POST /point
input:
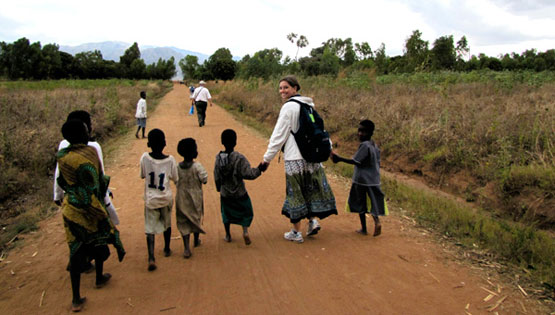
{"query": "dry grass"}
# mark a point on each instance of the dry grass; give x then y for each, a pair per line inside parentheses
(31, 115)
(480, 130)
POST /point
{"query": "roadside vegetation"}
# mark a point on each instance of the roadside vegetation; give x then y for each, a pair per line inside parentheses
(31, 115)
(488, 137)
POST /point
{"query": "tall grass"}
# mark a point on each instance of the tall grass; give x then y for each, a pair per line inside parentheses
(486, 130)
(31, 115)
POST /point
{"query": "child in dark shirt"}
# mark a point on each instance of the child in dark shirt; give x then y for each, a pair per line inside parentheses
(229, 171)
(366, 179)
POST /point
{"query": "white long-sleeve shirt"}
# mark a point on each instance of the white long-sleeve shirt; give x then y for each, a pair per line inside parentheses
(288, 121)
(141, 109)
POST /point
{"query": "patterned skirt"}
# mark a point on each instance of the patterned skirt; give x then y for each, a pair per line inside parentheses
(308, 193)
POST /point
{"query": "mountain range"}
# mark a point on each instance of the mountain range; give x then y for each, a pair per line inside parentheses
(150, 54)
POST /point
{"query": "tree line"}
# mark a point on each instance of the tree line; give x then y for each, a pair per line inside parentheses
(29, 61)
(338, 54)
(23, 60)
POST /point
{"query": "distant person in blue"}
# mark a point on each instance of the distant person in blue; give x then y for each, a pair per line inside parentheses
(192, 90)
(366, 179)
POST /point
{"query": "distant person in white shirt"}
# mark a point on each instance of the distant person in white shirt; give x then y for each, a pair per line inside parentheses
(158, 169)
(140, 114)
(201, 96)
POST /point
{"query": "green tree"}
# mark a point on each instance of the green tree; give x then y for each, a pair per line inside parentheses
(264, 64)
(342, 48)
(52, 62)
(301, 42)
(416, 52)
(22, 60)
(137, 70)
(462, 51)
(221, 65)
(130, 55)
(90, 64)
(443, 53)
(189, 66)
(381, 60)
(364, 51)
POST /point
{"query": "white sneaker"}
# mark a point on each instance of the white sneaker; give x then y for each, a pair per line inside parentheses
(313, 227)
(293, 236)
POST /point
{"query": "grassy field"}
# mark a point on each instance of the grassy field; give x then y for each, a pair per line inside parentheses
(491, 141)
(487, 138)
(31, 115)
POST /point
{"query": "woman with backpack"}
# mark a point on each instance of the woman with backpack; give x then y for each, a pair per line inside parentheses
(308, 193)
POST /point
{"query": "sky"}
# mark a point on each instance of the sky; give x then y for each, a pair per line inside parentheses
(492, 27)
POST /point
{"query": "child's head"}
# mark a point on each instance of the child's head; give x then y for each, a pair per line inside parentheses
(229, 139)
(75, 131)
(365, 130)
(187, 148)
(143, 94)
(156, 140)
(83, 116)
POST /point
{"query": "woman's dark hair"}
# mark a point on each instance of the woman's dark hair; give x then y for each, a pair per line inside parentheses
(368, 125)
(292, 81)
(75, 132)
(187, 148)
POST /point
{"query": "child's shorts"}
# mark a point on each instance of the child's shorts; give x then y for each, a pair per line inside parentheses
(141, 122)
(158, 220)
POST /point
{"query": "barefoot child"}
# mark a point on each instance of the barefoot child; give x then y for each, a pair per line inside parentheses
(188, 201)
(87, 225)
(140, 114)
(229, 171)
(366, 178)
(158, 169)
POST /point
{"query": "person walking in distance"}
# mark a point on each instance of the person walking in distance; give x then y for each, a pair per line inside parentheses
(140, 114)
(201, 96)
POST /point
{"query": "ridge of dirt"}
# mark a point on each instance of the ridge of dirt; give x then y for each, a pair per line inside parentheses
(403, 271)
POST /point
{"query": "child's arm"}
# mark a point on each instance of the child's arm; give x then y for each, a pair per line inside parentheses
(201, 173)
(142, 173)
(336, 158)
(248, 172)
(174, 175)
(217, 176)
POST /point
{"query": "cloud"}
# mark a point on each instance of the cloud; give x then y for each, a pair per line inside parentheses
(251, 25)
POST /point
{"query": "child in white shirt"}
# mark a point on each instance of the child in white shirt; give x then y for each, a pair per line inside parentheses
(158, 169)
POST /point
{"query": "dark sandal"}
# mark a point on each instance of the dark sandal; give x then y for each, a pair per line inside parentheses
(377, 230)
(79, 306)
(105, 278)
(361, 231)
(247, 239)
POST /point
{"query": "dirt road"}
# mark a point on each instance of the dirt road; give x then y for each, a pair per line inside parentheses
(337, 272)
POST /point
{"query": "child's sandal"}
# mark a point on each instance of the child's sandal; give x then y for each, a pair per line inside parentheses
(377, 229)
(78, 307)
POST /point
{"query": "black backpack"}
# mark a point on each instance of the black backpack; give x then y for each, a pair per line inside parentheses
(312, 139)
